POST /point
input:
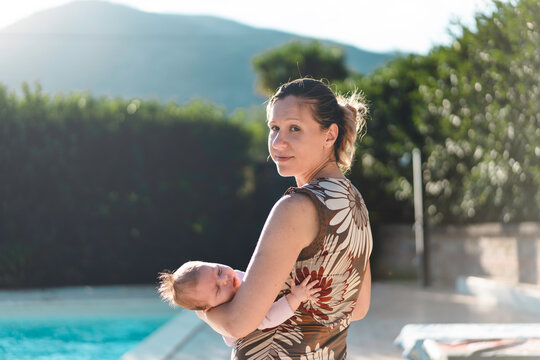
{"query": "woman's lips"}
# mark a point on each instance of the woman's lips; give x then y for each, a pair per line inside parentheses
(283, 158)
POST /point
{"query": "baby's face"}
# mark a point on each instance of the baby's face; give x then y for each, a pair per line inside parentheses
(216, 284)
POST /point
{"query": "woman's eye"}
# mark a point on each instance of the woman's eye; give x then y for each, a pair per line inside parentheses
(274, 128)
(295, 128)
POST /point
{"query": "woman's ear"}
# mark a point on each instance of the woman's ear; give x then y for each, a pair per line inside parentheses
(331, 135)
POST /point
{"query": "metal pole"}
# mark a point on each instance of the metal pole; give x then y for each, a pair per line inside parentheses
(421, 251)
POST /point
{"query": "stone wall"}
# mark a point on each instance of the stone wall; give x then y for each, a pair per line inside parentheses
(509, 253)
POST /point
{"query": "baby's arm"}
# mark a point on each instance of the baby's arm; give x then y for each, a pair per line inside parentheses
(285, 307)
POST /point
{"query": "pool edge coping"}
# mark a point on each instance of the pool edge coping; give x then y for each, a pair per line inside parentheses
(168, 339)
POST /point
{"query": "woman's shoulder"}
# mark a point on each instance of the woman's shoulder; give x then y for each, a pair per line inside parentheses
(294, 216)
(293, 202)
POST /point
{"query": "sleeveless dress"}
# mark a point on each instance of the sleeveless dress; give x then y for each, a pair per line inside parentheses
(338, 259)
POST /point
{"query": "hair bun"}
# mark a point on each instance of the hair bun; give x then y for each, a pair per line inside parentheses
(351, 108)
(354, 121)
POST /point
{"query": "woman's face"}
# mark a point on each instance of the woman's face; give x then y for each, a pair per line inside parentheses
(296, 141)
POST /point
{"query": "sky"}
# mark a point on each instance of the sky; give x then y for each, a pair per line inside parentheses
(375, 25)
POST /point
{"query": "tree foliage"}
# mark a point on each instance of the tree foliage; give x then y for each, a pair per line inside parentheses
(298, 59)
(482, 120)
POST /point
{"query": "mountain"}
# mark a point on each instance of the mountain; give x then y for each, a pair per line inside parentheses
(114, 50)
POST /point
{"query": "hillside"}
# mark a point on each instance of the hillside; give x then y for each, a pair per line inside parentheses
(114, 50)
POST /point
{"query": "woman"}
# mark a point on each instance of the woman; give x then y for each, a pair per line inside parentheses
(320, 228)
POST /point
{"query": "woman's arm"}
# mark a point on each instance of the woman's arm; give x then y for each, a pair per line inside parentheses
(364, 297)
(291, 226)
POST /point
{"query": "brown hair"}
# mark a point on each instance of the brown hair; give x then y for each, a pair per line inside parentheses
(347, 112)
(177, 288)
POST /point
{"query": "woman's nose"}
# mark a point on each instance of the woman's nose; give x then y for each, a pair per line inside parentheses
(278, 141)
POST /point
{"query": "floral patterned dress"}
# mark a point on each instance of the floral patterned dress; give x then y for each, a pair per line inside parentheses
(338, 259)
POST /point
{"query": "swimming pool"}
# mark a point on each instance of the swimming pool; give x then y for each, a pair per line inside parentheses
(73, 339)
(76, 323)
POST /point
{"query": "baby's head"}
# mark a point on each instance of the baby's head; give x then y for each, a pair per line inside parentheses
(198, 285)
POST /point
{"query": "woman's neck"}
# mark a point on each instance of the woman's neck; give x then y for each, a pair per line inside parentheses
(327, 169)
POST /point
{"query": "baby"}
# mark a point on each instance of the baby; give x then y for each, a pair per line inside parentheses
(198, 285)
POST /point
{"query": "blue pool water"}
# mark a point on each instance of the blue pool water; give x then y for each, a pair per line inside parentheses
(71, 338)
